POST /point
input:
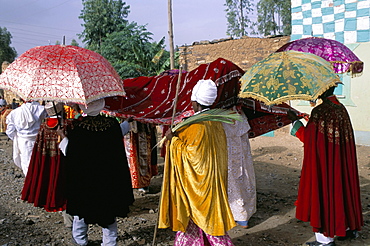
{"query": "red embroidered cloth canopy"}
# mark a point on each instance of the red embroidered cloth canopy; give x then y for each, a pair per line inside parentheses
(151, 99)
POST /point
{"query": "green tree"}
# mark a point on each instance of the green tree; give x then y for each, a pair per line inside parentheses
(102, 17)
(132, 53)
(127, 46)
(274, 17)
(237, 17)
(74, 43)
(7, 53)
(286, 16)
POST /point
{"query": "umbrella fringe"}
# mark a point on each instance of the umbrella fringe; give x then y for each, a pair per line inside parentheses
(64, 100)
(280, 100)
(352, 68)
(227, 77)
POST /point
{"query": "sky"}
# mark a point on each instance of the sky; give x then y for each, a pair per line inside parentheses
(42, 22)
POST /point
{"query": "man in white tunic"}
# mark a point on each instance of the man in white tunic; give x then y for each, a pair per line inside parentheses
(241, 178)
(23, 124)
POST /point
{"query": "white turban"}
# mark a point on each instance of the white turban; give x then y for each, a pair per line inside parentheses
(93, 108)
(51, 106)
(204, 92)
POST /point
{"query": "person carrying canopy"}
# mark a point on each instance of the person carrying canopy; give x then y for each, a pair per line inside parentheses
(242, 194)
(194, 194)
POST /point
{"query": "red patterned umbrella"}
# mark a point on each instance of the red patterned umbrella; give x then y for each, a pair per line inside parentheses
(339, 55)
(62, 73)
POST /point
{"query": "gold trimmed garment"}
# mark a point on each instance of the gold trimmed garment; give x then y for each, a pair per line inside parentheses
(195, 180)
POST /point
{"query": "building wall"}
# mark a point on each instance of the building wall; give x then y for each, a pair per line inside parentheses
(243, 52)
(360, 95)
(346, 21)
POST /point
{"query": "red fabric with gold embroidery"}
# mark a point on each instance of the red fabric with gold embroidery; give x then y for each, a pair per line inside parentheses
(44, 185)
(151, 99)
(329, 190)
(141, 154)
(262, 118)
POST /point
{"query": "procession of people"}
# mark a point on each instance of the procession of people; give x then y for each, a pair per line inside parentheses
(79, 158)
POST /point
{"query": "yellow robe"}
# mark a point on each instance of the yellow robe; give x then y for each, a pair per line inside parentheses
(195, 180)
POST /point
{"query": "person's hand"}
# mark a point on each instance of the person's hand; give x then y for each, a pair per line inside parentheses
(60, 132)
(169, 134)
(292, 116)
(313, 103)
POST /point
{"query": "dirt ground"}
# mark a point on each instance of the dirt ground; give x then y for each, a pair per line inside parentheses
(277, 162)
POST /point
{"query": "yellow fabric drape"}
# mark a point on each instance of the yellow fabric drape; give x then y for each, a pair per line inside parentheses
(195, 180)
(70, 112)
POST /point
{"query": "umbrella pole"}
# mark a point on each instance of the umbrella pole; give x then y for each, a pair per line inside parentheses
(58, 118)
(172, 122)
(57, 114)
(176, 96)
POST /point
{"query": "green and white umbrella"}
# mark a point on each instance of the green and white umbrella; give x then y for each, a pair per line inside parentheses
(288, 75)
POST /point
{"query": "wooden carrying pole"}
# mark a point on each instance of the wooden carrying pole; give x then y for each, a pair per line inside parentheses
(172, 123)
(170, 35)
(176, 96)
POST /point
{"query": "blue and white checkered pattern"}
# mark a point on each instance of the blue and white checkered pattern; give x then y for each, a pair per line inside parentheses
(347, 21)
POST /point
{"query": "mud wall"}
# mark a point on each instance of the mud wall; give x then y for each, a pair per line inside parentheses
(244, 52)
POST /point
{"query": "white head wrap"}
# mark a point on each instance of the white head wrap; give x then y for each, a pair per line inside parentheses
(204, 92)
(50, 108)
(93, 108)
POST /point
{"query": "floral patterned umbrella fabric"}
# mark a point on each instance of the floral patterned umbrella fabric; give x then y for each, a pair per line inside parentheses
(342, 58)
(62, 73)
(288, 75)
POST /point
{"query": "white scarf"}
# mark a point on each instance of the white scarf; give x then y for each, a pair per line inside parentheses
(26, 118)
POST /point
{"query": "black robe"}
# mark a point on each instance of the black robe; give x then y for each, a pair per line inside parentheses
(98, 178)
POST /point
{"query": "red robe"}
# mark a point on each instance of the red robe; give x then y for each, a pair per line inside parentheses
(45, 181)
(142, 154)
(329, 190)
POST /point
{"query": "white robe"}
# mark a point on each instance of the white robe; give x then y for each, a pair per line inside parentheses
(23, 124)
(241, 178)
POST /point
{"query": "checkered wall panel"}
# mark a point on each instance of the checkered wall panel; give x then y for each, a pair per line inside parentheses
(347, 21)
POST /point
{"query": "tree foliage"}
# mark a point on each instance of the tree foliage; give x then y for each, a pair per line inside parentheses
(7, 53)
(274, 17)
(126, 45)
(101, 18)
(74, 42)
(237, 17)
(132, 53)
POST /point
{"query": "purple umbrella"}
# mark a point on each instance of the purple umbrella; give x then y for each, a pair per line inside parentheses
(342, 58)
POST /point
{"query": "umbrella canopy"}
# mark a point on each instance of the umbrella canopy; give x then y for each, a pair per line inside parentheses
(288, 75)
(342, 58)
(62, 73)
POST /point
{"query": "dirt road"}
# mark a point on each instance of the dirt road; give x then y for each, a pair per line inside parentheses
(277, 161)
